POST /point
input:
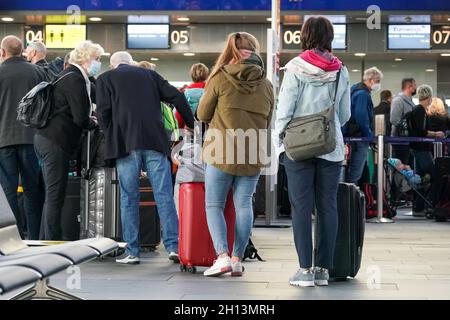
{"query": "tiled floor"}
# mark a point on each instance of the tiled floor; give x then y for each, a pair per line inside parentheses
(409, 259)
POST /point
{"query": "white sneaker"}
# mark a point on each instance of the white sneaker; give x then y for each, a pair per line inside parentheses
(237, 269)
(220, 266)
(174, 257)
(128, 259)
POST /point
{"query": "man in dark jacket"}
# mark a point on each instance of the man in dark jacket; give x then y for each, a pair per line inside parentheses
(129, 113)
(17, 156)
(362, 115)
(36, 52)
(384, 108)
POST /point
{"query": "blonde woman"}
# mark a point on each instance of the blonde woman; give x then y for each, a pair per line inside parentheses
(237, 97)
(438, 117)
(59, 140)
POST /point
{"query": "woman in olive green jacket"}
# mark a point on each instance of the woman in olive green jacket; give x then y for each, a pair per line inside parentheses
(237, 106)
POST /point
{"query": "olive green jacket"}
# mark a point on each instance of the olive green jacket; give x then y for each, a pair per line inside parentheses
(238, 97)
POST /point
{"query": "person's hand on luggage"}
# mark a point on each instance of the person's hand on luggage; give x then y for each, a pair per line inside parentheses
(175, 159)
(94, 119)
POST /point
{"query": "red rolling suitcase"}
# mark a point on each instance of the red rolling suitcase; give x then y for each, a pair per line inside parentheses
(195, 246)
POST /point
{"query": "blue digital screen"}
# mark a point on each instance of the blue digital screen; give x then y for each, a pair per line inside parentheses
(148, 36)
(405, 36)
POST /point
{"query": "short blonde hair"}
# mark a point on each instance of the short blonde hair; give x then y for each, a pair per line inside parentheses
(372, 73)
(85, 51)
(147, 65)
(199, 72)
(437, 107)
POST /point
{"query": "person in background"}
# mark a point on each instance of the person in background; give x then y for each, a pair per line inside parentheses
(17, 156)
(308, 87)
(147, 65)
(362, 115)
(402, 104)
(384, 108)
(438, 117)
(66, 60)
(129, 112)
(423, 151)
(193, 92)
(238, 97)
(58, 142)
(36, 53)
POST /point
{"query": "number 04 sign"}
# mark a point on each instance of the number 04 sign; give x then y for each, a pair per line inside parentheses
(35, 33)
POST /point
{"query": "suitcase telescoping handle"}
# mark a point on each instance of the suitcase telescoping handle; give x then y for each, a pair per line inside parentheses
(86, 182)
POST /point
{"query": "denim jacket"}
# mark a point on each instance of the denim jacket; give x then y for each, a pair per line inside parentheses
(306, 90)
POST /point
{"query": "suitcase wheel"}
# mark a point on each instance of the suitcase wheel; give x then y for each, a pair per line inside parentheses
(183, 268)
(192, 270)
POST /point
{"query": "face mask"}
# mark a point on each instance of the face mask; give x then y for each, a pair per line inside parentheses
(414, 92)
(95, 68)
(376, 87)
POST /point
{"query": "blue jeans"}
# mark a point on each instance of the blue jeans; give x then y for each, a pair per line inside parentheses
(314, 183)
(21, 160)
(159, 173)
(218, 185)
(358, 159)
(424, 165)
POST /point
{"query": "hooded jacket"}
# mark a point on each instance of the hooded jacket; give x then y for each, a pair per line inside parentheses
(308, 88)
(362, 108)
(238, 100)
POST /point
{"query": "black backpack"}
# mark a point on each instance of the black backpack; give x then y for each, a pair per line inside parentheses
(404, 127)
(36, 108)
(251, 252)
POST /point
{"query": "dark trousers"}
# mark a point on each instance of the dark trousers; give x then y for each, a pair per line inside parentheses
(55, 170)
(402, 152)
(21, 160)
(424, 165)
(312, 183)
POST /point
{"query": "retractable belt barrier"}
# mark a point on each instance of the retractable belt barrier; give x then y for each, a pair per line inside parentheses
(380, 141)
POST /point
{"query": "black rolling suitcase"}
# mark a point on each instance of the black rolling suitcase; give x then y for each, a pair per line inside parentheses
(350, 237)
(70, 224)
(149, 226)
(441, 189)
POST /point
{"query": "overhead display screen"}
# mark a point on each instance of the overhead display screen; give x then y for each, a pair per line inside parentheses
(64, 36)
(340, 36)
(148, 36)
(411, 37)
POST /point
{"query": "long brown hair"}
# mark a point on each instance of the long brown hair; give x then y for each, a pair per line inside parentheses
(236, 41)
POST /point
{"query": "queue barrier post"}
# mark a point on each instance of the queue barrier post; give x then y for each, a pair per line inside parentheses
(380, 182)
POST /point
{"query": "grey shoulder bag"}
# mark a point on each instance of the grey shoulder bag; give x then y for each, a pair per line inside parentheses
(311, 136)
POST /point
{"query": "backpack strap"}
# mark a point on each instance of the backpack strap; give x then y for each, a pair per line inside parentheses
(53, 83)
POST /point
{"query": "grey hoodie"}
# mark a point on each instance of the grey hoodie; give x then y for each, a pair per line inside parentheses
(401, 104)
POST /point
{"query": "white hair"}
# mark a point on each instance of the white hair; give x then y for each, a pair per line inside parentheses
(38, 46)
(372, 73)
(424, 92)
(85, 51)
(121, 57)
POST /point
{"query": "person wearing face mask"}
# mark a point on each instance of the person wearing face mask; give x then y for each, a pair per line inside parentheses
(401, 105)
(59, 140)
(36, 52)
(423, 151)
(362, 118)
